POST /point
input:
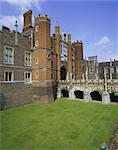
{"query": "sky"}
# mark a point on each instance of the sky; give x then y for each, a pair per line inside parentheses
(95, 22)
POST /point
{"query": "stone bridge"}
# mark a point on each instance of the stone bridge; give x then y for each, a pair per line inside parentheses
(104, 87)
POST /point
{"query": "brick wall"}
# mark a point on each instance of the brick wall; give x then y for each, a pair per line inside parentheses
(15, 94)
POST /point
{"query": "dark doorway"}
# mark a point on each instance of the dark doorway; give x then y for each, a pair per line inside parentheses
(96, 96)
(79, 94)
(114, 97)
(65, 93)
(63, 73)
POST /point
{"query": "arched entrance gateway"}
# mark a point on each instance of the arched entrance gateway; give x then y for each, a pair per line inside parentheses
(79, 94)
(63, 72)
(114, 97)
(65, 93)
(95, 95)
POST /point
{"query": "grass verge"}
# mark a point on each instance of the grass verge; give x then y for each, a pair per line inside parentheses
(63, 125)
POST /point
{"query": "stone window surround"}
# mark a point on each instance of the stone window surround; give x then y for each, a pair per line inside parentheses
(6, 46)
(26, 80)
(30, 59)
(91, 70)
(12, 76)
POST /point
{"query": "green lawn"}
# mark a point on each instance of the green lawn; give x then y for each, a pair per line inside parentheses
(63, 125)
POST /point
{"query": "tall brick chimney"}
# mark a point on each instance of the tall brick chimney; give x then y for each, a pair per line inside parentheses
(27, 23)
(57, 47)
(78, 45)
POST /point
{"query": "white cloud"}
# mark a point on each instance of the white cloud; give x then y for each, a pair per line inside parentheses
(25, 4)
(9, 21)
(104, 48)
(104, 41)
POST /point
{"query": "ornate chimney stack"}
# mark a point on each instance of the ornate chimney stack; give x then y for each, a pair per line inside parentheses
(27, 24)
(57, 47)
(78, 45)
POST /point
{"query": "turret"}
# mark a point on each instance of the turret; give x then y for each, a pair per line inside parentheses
(41, 60)
(42, 32)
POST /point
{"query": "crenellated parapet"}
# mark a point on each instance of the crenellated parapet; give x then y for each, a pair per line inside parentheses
(89, 87)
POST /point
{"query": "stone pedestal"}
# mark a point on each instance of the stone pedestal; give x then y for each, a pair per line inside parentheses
(105, 98)
(87, 96)
(59, 93)
(71, 94)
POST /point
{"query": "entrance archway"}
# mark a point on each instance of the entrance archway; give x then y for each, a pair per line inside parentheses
(63, 73)
(65, 93)
(96, 96)
(114, 97)
(79, 94)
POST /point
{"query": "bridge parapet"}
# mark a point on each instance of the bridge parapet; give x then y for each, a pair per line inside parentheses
(88, 86)
(111, 84)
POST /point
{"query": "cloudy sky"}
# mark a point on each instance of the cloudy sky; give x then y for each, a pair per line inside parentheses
(95, 22)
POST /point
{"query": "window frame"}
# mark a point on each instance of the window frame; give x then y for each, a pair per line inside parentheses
(25, 61)
(26, 79)
(91, 69)
(12, 76)
(8, 47)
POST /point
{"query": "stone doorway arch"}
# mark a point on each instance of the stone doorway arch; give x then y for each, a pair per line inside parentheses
(95, 95)
(79, 94)
(114, 97)
(65, 93)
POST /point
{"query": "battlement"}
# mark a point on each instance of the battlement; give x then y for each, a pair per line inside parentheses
(45, 16)
(42, 18)
(11, 34)
(8, 31)
(78, 42)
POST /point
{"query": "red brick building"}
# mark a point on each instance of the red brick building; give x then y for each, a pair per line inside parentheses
(33, 61)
